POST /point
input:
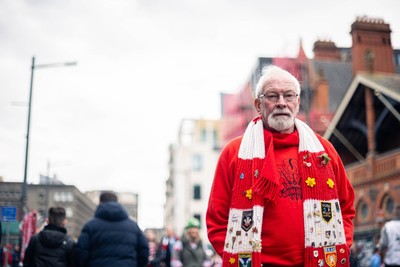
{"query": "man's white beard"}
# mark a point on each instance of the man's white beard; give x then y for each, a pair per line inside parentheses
(280, 123)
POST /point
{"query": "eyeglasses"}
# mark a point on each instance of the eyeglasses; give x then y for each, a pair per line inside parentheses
(274, 97)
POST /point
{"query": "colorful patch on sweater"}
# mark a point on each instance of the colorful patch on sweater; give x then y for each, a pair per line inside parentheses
(323, 223)
(244, 234)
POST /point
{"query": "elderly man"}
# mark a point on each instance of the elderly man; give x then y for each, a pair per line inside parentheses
(280, 195)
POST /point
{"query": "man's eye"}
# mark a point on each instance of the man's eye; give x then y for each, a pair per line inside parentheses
(272, 97)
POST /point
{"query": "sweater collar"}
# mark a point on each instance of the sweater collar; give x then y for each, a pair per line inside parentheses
(285, 140)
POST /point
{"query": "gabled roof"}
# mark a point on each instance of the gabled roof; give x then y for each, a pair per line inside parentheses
(386, 84)
(349, 122)
(338, 74)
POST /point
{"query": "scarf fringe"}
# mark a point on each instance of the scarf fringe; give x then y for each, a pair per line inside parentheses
(265, 188)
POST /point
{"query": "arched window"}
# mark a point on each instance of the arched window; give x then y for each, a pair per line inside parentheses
(362, 212)
(388, 205)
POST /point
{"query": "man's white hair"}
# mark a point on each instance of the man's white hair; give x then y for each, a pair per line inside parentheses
(269, 73)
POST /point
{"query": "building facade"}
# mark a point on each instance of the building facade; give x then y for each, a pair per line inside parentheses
(78, 207)
(192, 162)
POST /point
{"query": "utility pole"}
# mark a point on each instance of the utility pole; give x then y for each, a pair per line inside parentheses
(24, 198)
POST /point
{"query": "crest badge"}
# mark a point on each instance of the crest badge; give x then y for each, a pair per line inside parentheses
(326, 210)
(330, 256)
(247, 220)
(244, 259)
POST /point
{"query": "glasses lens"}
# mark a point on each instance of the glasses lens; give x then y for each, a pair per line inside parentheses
(289, 97)
(273, 97)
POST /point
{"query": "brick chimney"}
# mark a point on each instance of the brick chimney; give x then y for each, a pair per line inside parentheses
(372, 48)
(326, 50)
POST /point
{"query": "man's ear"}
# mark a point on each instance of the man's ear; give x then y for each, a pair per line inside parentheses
(257, 105)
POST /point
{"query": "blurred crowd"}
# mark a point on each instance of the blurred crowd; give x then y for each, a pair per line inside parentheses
(111, 238)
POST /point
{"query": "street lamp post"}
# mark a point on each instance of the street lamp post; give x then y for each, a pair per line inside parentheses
(24, 198)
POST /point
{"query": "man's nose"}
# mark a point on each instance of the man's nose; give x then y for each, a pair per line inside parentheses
(281, 100)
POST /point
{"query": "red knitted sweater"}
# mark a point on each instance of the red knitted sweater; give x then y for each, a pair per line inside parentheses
(283, 229)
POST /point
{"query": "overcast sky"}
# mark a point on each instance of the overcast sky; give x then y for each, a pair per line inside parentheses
(143, 66)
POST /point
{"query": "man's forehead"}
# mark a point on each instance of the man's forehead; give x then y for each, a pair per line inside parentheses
(279, 84)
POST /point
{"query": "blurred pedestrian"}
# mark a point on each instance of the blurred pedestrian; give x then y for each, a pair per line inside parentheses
(189, 251)
(390, 241)
(6, 256)
(164, 250)
(354, 255)
(111, 238)
(152, 241)
(280, 195)
(376, 258)
(16, 256)
(52, 246)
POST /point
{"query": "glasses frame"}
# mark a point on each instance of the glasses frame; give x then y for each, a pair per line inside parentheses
(279, 97)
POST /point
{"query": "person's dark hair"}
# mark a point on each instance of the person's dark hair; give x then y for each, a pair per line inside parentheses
(108, 196)
(57, 216)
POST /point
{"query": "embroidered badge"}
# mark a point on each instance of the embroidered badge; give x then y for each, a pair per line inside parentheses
(241, 176)
(256, 244)
(235, 217)
(324, 159)
(337, 206)
(330, 256)
(326, 210)
(233, 241)
(308, 164)
(315, 252)
(247, 220)
(232, 260)
(330, 183)
(310, 182)
(244, 259)
(249, 193)
(328, 234)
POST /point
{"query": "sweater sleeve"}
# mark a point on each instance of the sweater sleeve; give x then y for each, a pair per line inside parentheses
(220, 196)
(345, 192)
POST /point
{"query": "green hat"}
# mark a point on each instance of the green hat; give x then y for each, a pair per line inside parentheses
(193, 223)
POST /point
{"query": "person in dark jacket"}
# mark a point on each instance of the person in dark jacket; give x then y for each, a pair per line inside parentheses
(52, 246)
(16, 256)
(111, 238)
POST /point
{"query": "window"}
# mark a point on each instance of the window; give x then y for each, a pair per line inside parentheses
(197, 192)
(197, 162)
(362, 212)
(397, 59)
(203, 135)
(63, 197)
(41, 197)
(69, 212)
(388, 205)
(215, 136)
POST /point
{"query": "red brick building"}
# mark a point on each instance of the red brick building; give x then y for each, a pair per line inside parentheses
(352, 97)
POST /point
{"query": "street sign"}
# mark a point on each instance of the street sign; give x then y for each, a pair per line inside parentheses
(8, 214)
